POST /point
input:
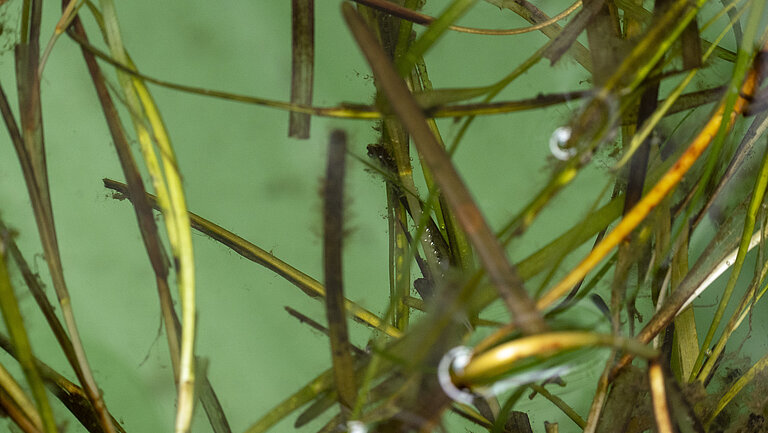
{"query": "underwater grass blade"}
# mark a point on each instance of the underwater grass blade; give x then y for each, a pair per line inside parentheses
(666, 106)
(333, 217)
(302, 64)
(562, 405)
(460, 248)
(686, 340)
(396, 140)
(15, 394)
(15, 414)
(399, 254)
(659, 398)
(596, 119)
(654, 44)
(14, 323)
(487, 246)
(296, 400)
(183, 256)
(639, 163)
(72, 396)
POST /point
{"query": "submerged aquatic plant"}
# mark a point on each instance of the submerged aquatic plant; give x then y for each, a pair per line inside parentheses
(673, 144)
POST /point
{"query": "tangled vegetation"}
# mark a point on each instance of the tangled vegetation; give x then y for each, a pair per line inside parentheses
(676, 142)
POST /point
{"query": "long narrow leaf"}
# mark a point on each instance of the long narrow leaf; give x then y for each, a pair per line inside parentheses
(333, 218)
(168, 184)
(302, 64)
(14, 323)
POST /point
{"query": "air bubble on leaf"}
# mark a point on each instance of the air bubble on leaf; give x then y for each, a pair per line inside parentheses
(557, 141)
(455, 359)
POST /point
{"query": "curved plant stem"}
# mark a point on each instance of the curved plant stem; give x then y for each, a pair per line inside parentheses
(424, 19)
(498, 360)
(167, 183)
(183, 258)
